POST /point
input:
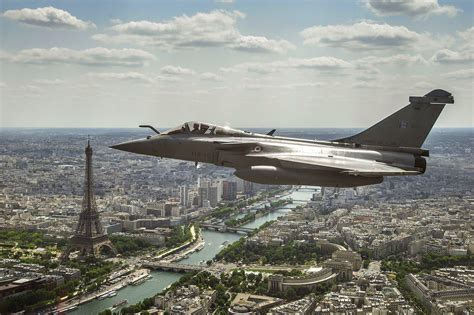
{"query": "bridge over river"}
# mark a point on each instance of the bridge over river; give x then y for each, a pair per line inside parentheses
(167, 266)
(307, 188)
(225, 228)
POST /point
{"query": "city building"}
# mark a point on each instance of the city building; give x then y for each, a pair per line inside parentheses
(189, 300)
(365, 295)
(304, 306)
(350, 256)
(312, 278)
(245, 303)
(184, 196)
(229, 190)
(446, 290)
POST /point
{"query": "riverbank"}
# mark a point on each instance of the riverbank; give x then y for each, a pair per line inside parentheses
(104, 292)
(217, 241)
(196, 245)
(180, 247)
(213, 241)
(237, 207)
(136, 277)
(133, 293)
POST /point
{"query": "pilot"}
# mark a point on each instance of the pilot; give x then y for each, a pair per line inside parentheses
(195, 128)
(203, 129)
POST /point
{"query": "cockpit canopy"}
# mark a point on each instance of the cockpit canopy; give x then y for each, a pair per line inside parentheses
(200, 128)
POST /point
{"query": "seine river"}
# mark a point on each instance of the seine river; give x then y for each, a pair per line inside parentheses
(214, 241)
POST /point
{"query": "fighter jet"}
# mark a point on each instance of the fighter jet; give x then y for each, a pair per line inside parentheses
(392, 147)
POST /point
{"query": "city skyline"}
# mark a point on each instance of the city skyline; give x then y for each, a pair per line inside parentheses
(163, 214)
(318, 65)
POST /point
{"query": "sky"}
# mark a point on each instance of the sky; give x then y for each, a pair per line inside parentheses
(261, 64)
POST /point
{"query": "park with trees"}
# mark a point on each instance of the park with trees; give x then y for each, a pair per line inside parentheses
(293, 253)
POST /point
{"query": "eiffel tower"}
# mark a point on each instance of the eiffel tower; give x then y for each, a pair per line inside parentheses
(89, 237)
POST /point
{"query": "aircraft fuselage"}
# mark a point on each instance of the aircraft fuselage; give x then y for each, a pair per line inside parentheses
(253, 164)
(391, 147)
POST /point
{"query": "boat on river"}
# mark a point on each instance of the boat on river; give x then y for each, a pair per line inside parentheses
(107, 295)
(140, 279)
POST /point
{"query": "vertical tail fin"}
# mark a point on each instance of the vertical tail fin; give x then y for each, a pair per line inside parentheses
(407, 127)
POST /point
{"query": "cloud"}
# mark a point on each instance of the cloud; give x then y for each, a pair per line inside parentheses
(98, 56)
(446, 56)
(366, 77)
(303, 85)
(367, 85)
(115, 21)
(201, 92)
(424, 85)
(255, 67)
(393, 60)
(121, 76)
(262, 44)
(413, 8)
(136, 77)
(177, 70)
(465, 74)
(364, 71)
(468, 34)
(209, 76)
(361, 35)
(4, 55)
(213, 29)
(317, 63)
(166, 78)
(48, 17)
(463, 53)
(49, 81)
(29, 88)
(224, 1)
(259, 86)
(468, 39)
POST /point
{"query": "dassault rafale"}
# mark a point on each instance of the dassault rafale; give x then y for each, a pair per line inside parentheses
(392, 147)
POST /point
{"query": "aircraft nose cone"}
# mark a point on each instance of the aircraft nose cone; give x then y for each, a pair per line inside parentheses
(120, 146)
(135, 146)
